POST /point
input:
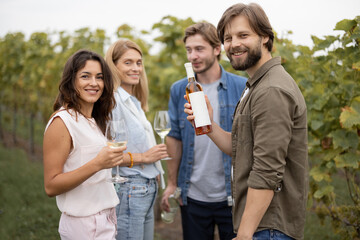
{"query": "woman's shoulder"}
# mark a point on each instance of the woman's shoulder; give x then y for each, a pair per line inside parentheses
(66, 115)
(57, 122)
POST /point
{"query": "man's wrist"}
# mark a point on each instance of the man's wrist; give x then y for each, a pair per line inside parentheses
(240, 236)
(171, 184)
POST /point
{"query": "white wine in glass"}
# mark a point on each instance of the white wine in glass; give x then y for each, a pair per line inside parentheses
(117, 136)
(116, 144)
(162, 126)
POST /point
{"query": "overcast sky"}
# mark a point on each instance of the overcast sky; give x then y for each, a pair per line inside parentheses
(304, 18)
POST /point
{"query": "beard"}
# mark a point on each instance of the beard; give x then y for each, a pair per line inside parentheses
(209, 62)
(254, 55)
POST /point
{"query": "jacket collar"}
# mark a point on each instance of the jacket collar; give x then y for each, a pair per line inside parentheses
(124, 95)
(262, 70)
(223, 79)
(251, 82)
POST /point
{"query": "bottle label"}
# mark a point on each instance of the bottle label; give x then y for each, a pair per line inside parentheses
(198, 105)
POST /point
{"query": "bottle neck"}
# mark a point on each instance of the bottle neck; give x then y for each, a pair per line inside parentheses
(191, 79)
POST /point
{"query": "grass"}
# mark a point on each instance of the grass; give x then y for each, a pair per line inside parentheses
(314, 230)
(25, 210)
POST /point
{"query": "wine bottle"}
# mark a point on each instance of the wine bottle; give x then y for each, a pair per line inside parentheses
(196, 98)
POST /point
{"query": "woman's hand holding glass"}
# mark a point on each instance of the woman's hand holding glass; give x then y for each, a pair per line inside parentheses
(110, 157)
(155, 153)
(117, 137)
(162, 126)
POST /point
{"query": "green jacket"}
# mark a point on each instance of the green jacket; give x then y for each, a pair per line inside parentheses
(269, 149)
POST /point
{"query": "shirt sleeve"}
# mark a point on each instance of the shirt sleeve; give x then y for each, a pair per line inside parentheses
(272, 112)
(173, 113)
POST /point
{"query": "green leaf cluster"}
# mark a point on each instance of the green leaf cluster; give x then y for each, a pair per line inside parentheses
(329, 76)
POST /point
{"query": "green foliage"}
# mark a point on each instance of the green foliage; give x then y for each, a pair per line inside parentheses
(39, 51)
(330, 83)
(318, 229)
(125, 31)
(350, 116)
(328, 74)
(12, 53)
(168, 65)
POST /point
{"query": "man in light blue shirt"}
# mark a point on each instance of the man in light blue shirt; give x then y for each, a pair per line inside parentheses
(198, 166)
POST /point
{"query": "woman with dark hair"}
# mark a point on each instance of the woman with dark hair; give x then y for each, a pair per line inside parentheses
(77, 162)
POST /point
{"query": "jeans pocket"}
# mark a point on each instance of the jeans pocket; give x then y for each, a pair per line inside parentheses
(139, 190)
(141, 196)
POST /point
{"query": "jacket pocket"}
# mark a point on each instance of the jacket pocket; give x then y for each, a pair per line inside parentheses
(244, 132)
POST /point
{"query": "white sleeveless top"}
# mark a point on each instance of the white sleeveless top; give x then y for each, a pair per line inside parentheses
(95, 194)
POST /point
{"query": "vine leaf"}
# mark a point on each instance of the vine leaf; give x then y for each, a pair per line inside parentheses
(346, 25)
(350, 116)
(323, 191)
(345, 139)
(349, 159)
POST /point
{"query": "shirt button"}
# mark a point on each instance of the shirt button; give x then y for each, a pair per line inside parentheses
(278, 187)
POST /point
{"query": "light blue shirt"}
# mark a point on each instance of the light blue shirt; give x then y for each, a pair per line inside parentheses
(137, 139)
(207, 181)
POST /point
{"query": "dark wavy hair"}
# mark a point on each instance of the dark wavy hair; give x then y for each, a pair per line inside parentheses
(68, 96)
(256, 16)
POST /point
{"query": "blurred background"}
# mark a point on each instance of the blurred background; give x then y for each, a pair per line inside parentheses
(318, 48)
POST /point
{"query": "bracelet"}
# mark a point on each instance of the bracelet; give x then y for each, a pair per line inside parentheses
(131, 160)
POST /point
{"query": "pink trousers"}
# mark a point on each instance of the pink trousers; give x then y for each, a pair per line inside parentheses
(100, 226)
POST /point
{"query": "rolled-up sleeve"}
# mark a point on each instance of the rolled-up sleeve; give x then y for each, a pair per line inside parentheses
(272, 114)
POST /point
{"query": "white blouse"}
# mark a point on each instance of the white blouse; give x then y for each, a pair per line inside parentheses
(96, 193)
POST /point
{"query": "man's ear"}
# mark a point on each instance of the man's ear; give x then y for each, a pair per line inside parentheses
(265, 40)
(217, 50)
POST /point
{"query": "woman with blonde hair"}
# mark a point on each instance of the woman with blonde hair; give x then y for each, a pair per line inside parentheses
(142, 166)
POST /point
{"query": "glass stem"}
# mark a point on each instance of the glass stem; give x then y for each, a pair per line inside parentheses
(117, 171)
(163, 140)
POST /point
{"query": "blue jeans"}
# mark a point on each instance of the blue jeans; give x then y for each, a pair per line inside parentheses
(135, 212)
(270, 234)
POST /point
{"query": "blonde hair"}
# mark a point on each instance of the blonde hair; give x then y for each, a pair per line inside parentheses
(113, 54)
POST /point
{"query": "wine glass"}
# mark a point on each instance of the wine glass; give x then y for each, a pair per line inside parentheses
(117, 136)
(162, 126)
